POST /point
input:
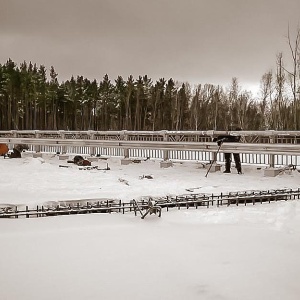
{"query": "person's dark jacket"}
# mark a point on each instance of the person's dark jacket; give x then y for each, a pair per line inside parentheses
(227, 139)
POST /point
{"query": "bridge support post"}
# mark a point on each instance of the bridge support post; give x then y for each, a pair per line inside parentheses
(165, 139)
(126, 160)
(125, 138)
(91, 134)
(15, 135)
(272, 156)
(62, 136)
(37, 148)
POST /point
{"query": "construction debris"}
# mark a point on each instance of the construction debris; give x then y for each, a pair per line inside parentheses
(124, 181)
(146, 176)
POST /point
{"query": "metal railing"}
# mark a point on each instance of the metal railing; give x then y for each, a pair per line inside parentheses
(257, 147)
(149, 204)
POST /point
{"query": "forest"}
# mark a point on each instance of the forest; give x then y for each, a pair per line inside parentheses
(32, 98)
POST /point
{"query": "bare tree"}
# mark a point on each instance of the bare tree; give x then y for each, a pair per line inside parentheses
(266, 86)
(294, 75)
(279, 87)
(195, 108)
(233, 98)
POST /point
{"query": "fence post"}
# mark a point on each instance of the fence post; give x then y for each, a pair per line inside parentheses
(16, 212)
(15, 135)
(91, 134)
(62, 136)
(125, 138)
(37, 148)
(272, 156)
(165, 139)
(212, 155)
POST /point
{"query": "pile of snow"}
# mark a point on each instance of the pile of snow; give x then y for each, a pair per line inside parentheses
(32, 181)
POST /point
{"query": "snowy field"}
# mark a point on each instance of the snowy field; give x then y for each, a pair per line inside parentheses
(223, 253)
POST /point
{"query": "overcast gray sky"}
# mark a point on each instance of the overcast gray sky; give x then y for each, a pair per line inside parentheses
(199, 41)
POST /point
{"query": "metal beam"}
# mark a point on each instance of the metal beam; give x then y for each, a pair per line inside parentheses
(288, 149)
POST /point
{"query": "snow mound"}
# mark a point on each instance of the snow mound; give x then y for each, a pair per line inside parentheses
(33, 161)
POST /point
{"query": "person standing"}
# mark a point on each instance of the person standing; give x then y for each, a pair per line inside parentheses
(236, 156)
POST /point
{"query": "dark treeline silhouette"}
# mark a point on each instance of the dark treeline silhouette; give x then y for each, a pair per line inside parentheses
(31, 100)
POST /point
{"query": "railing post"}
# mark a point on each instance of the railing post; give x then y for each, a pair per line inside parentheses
(165, 139)
(91, 134)
(272, 156)
(213, 155)
(37, 148)
(14, 135)
(125, 138)
(63, 136)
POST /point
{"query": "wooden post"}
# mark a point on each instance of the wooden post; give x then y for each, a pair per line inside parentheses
(134, 207)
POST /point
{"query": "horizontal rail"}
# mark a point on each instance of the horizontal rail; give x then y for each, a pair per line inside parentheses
(161, 145)
(263, 133)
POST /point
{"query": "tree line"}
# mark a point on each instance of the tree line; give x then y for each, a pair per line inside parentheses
(31, 100)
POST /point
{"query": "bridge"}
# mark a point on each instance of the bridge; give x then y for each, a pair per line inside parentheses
(273, 148)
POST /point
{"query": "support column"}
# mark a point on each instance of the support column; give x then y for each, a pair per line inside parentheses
(62, 136)
(272, 156)
(271, 171)
(165, 139)
(37, 148)
(15, 135)
(166, 163)
(126, 160)
(91, 134)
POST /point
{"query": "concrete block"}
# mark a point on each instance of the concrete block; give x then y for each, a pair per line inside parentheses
(126, 161)
(213, 168)
(38, 154)
(27, 154)
(92, 158)
(166, 164)
(272, 172)
(63, 157)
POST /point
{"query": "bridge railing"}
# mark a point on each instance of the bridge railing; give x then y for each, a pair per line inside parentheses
(267, 136)
(283, 148)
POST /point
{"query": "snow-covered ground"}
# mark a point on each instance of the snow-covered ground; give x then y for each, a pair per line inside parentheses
(222, 253)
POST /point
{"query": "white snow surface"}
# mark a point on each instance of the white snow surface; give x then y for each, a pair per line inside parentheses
(216, 253)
